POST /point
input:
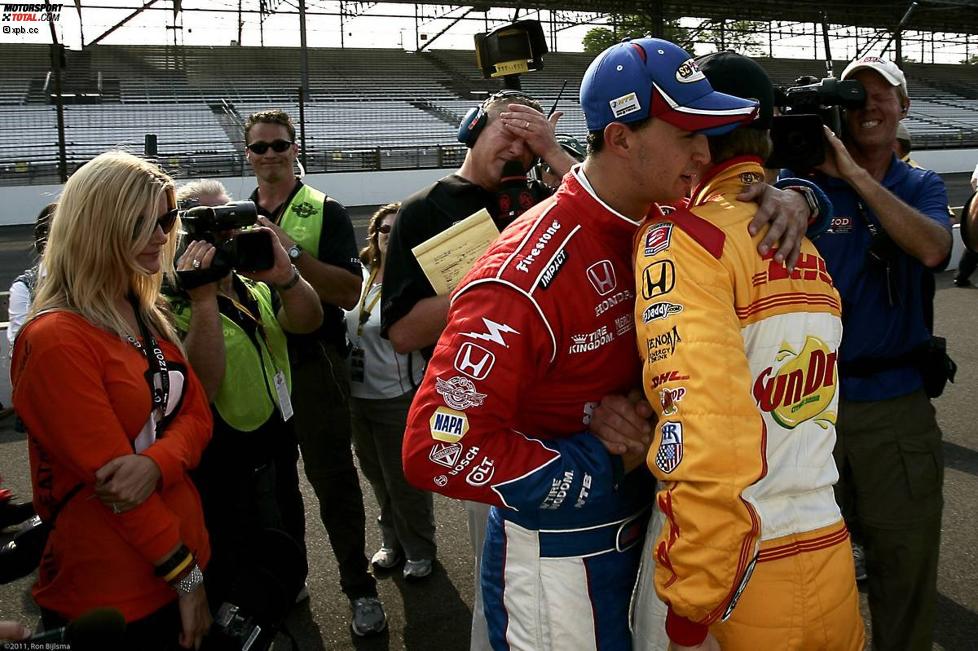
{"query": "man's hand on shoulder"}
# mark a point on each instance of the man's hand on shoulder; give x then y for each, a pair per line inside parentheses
(787, 212)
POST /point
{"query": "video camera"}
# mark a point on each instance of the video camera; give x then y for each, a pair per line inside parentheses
(511, 50)
(246, 251)
(261, 597)
(799, 142)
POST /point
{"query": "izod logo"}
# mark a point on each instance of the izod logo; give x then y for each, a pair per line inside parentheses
(800, 387)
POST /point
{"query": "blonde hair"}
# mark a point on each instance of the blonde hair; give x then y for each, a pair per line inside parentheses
(105, 217)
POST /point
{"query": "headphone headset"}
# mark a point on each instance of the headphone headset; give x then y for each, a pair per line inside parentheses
(476, 119)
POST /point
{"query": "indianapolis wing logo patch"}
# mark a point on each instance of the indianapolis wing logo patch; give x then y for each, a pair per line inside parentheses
(670, 452)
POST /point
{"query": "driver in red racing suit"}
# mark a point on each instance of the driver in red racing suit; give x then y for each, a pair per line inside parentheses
(502, 414)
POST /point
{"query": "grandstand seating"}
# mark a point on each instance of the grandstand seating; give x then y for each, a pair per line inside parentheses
(379, 108)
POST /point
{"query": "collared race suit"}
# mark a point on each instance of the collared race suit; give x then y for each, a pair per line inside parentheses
(538, 332)
(741, 368)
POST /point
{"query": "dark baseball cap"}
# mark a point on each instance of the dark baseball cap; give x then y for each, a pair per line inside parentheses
(735, 74)
(633, 80)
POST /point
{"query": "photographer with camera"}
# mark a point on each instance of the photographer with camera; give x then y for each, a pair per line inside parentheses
(891, 228)
(317, 233)
(115, 418)
(234, 330)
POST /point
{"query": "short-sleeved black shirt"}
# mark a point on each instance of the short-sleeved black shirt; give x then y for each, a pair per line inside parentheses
(422, 216)
(338, 247)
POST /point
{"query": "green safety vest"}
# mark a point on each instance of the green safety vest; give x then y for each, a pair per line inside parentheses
(303, 218)
(247, 396)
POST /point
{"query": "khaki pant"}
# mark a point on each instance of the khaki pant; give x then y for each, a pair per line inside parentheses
(891, 476)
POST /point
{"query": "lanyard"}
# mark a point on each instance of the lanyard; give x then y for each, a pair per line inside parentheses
(365, 310)
(159, 388)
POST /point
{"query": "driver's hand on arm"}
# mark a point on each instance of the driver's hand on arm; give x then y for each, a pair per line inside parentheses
(624, 425)
(787, 213)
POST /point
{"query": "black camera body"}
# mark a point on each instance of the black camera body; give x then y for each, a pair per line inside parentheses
(247, 251)
(799, 142)
(511, 49)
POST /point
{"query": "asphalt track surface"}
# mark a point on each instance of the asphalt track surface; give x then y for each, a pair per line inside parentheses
(435, 613)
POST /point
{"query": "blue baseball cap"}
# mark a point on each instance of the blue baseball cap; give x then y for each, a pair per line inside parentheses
(649, 76)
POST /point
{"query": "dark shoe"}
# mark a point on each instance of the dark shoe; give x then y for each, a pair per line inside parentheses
(962, 282)
(415, 570)
(368, 616)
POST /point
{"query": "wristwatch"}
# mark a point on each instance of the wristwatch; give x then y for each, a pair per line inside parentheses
(295, 251)
(810, 199)
(190, 581)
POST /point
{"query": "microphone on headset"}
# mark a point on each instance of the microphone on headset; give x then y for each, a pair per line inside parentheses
(514, 196)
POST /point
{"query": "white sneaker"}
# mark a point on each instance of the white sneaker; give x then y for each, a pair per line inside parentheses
(414, 570)
(386, 558)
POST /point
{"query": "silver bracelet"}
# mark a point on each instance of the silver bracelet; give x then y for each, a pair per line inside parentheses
(292, 281)
(190, 581)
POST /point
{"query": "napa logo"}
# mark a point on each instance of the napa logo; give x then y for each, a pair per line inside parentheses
(800, 386)
(448, 425)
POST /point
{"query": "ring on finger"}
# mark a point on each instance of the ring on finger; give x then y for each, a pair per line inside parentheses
(196, 264)
(116, 509)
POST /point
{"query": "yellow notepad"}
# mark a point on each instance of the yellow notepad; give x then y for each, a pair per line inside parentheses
(448, 256)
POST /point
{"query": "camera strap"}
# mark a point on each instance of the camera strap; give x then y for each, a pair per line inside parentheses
(159, 384)
(879, 236)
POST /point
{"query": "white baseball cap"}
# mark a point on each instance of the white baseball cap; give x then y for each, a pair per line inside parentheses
(887, 69)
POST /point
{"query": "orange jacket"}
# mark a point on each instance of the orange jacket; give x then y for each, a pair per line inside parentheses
(740, 368)
(83, 396)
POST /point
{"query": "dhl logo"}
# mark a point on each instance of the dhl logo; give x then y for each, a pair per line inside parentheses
(801, 388)
(810, 267)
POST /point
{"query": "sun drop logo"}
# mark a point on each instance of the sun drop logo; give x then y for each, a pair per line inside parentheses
(800, 387)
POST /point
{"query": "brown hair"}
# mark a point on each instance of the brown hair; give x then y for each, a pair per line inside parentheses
(275, 116)
(370, 255)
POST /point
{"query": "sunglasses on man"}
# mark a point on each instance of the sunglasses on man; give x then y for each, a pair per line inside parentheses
(260, 146)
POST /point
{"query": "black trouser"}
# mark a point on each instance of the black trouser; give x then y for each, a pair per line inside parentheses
(967, 265)
(243, 493)
(321, 399)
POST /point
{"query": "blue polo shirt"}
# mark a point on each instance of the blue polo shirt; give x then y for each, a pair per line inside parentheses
(873, 328)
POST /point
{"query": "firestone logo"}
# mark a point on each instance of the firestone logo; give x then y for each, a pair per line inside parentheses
(800, 386)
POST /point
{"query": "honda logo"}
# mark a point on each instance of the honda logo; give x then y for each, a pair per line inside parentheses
(475, 361)
(658, 278)
(602, 277)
